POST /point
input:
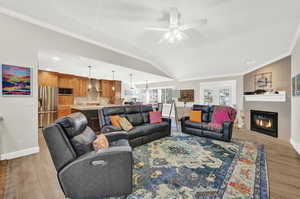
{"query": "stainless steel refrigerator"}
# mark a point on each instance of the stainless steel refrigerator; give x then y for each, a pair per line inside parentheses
(48, 104)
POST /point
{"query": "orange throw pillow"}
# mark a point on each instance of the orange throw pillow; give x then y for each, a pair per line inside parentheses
(196, 116)
(115, 120)
(100, 142)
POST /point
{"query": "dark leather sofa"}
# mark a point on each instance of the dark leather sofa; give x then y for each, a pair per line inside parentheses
(138, 115)
(82, 172)
(203, 129)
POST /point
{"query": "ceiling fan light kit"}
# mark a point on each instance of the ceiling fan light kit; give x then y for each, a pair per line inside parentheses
(175, 32)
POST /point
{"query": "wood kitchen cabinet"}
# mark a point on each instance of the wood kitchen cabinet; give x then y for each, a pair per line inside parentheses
(80, 86)
(47, 78)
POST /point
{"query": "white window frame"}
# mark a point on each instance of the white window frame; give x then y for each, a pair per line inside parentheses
(218, 85)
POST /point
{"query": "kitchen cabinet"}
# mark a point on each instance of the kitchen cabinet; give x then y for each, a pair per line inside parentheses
(65, 81)
(47, 78)
(80, 86)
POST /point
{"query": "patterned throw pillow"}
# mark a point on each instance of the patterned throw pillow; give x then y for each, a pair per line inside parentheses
(155, 117)
(196, 116)
(125, 124)
(115, 120)
(100, 142)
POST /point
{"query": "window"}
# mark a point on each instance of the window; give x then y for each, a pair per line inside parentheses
(159, 95)
(218, 93)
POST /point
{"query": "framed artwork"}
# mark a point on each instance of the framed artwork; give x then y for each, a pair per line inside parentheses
(263, 81)
(16, 80)
(186, 95)
(296, 85)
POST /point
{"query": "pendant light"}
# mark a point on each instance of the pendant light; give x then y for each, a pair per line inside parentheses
(113, 87)
(147, 85)
(90, 78)
(131, 84)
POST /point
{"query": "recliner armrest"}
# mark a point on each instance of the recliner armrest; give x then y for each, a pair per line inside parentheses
(116, 136)
(109, 129)
(103, 173)
(185, 118)
(227, 130)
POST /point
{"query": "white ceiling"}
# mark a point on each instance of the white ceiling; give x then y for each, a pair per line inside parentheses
(238, 31)
(76, 65)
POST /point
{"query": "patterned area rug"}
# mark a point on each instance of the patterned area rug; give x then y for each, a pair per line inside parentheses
(189, 167)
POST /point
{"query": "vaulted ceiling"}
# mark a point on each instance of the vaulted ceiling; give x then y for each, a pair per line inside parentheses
(239, 36)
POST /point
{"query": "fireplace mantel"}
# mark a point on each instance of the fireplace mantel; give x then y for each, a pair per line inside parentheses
(280, 97)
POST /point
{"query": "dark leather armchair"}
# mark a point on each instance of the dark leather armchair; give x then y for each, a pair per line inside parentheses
(82, 172)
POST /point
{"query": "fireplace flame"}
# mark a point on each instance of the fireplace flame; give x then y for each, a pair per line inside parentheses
(263, 123)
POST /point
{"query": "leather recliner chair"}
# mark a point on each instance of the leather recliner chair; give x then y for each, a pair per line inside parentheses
(202, 129)
(82, 172)
(138, 115)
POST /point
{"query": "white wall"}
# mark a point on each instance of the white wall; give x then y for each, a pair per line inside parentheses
(295, 119)
(20, 43)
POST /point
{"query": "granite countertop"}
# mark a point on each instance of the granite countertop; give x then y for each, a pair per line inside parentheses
(91, 107)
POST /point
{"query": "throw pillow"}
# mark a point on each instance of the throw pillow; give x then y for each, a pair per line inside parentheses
(100, 142)
(125, 124)
(155, 117)
(115, 120)
(196, 116)
(220, 117)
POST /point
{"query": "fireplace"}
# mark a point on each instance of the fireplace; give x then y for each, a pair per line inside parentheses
(264, 122)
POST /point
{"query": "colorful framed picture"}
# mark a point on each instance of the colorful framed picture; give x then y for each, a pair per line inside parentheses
(16, 81)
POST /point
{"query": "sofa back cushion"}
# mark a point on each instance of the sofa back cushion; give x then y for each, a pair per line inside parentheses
(59, 146)
(78, 133)
(134, 115)
(106, 112)
(145, 109)
(205, 110)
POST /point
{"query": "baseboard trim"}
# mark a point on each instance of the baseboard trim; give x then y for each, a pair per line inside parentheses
(295, 145)
(21, 153)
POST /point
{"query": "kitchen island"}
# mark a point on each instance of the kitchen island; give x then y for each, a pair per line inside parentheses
(91, 113)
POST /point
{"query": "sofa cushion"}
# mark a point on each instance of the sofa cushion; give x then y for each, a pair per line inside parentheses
(206, 112)
(115, 120)
(137, 131)
(145, 113)
(125, 124)
(100, 142)
(155, 117)
(147, 129)
(135, 119)
(202, 125)
(196, 116)
(82, 143)
(132, 109)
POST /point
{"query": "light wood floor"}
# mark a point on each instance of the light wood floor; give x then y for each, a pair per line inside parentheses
(34, 177)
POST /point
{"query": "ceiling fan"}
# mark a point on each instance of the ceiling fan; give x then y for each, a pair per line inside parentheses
(176, 31)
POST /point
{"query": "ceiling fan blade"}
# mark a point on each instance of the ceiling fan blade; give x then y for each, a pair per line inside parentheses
(193, 25)
(158, 29)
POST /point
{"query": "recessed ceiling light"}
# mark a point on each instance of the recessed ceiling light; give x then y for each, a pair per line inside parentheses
(56, 58)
